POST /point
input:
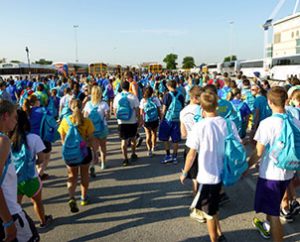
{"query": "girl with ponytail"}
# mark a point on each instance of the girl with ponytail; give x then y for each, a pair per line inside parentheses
(86, 129)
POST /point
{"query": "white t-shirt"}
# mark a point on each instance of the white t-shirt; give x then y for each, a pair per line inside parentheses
(268, 130)
(9, 189)
(64, 101)
(154, 99)
(208, 138)
(187, 117)
(36, 145)
(103, 109)
(134, 103)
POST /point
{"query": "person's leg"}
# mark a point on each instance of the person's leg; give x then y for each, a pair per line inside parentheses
(175, 149)
(285, 201)
(38, 206)
(20, 197)
(195, 187)
(84, 185)
(124, 148)
(72, 180)
(276, 228)
(154, 138)
(148, 139)
(212, 227)
(42, 167)
(167, 147)
(102, 143)
(133, 146)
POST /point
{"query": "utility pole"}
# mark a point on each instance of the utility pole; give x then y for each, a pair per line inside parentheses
(76, 42)
(27, 51)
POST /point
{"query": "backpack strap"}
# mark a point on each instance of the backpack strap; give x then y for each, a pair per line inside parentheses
(69, 121)
(229, 127)
(197, 115)
(280, 115)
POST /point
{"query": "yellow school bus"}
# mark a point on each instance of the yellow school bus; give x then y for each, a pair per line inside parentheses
(155, 68)
(97, 68)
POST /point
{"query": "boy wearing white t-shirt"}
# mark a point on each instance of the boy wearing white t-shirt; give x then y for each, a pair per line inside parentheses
(208, 140)
(272, 181)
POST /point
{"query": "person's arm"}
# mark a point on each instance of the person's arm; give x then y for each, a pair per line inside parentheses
(135, 90)
(183, 130)
(188, 164)
(10, 230)
(257, 154)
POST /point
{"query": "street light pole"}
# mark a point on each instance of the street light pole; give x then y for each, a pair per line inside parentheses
(231, 39)
(27, 51)
(76, 42)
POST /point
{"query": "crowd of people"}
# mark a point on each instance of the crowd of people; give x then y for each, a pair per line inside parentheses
(170, 106)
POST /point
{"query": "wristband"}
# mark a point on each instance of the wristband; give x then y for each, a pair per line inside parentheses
(184, 173)
(8, 224)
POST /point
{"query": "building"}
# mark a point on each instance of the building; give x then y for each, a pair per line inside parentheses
(286, 37)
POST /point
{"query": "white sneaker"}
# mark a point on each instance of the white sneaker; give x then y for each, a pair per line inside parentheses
(198, 216)
(102, 167)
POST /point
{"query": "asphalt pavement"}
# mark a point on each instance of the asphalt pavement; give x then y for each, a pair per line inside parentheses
(142, 202)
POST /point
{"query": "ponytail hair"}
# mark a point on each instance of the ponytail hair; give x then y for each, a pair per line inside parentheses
(233, 93)
(18, 136)
(77, 115)
(96, 95)
(29, 103)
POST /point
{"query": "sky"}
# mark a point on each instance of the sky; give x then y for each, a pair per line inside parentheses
(129, 32)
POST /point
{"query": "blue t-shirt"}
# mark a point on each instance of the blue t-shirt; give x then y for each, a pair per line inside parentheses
(261, 104)
(12, 90)
(242, 106)
(222, 93)
(249, 98)
(35, 119)
(168, 99)
(224, 108)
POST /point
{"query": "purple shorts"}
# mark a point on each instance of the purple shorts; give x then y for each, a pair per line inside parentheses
(268, 196)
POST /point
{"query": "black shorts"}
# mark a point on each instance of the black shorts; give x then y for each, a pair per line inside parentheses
(192, 174)
(86, 160)
(127, 131)
(208, 198)
(151, 125)
(48, 146)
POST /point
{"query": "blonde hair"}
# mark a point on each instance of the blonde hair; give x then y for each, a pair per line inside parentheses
(77, 116)
(96, 95)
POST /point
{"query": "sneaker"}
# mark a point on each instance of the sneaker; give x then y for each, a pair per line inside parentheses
(294, 207)
(133, 157)
(259, 225)
(73, 205)
(286, 216)
(84, 201)
(174, 160)
(139, 142)
(102, 166)
(150, 153)
(224, 199)
(48, 221)
(125, 162)
(198, 216)
(168, 158)
(222, 238)
(92, 172)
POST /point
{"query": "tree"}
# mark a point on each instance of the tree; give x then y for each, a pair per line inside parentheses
(170, 61)
(188, 62)
(44, 62)
(230, 58)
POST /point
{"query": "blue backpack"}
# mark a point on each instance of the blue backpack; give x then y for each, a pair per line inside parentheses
(48, 128)
(150, 109)
(51, 107)
(174, 108)
(235, 163)
(285, 151)
(97, 119)
(124, 111)
(74, 149)
(240, 125)
(162, 88)
(198, 115)
(24, 163)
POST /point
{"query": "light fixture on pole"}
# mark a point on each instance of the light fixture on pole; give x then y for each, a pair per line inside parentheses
(27, 51)
(76, 42)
